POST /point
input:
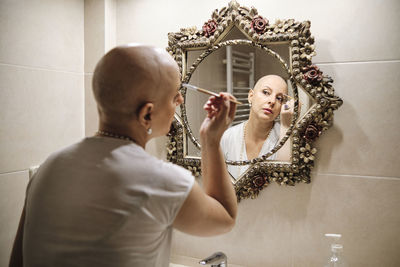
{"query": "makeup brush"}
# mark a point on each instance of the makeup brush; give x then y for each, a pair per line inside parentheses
(205, 91)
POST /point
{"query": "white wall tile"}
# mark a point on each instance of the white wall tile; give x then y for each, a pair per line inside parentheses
(12, 197)
(94, 33)
(42, 111)
(150, 21)
(100, 30)
(110, 24)
(356, 30)
(365, 137)
(42, 33)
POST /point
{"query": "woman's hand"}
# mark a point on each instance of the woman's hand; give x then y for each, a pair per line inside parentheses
(220, 114)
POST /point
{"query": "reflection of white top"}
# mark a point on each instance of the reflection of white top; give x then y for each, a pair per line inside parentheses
(233, 146)
(103, 202)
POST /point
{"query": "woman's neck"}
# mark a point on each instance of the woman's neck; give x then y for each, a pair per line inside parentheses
(258, 130)
(139, 138)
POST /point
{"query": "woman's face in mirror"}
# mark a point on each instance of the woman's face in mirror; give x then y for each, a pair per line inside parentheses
(267, 97)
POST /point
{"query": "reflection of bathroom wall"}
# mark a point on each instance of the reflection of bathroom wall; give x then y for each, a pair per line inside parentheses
(41, 95)
(355, 188)
(213, 77)
(266, 64)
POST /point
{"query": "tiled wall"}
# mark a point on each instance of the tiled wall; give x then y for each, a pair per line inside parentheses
(41, 95)
(355, 187)
(99, 38)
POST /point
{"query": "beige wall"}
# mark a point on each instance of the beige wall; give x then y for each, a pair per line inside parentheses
(41, 95)
(100, 34)
(355, 188)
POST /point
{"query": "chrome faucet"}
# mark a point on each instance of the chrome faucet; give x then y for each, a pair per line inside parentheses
(218, 259)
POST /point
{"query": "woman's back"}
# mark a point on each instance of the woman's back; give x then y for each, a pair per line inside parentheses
(121, 203)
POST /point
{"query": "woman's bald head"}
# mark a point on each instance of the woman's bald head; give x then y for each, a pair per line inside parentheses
(128, 77)
(275, 80)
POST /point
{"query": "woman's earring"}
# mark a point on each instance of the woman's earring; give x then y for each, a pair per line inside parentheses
(149, 131)
(249, 104)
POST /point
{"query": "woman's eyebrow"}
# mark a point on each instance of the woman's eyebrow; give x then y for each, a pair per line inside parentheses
(266, 87)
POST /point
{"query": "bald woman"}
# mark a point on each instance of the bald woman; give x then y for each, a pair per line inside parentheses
(261, 132)
(104, 201)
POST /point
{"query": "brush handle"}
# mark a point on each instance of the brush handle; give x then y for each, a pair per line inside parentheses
(205, 91)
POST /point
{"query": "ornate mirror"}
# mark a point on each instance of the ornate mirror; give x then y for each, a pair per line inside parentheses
(234, 51)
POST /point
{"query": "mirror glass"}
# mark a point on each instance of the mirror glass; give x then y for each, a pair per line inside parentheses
(236, 69)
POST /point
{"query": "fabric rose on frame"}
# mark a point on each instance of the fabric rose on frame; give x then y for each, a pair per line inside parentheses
(312, 132)
(259, 181)
(312, 74)
(209, 27)
(259, 24)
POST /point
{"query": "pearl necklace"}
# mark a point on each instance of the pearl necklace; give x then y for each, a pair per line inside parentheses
(243, 141)
(113, 135)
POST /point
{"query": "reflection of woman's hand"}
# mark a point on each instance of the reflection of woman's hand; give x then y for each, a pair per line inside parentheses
(220, 114)
(287, 113)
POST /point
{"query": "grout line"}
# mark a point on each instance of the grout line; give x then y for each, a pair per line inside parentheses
(358, 176)
(358, 62)
(12, 172)
(40, 68)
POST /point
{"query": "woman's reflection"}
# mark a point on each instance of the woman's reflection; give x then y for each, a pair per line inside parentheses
(260, 134)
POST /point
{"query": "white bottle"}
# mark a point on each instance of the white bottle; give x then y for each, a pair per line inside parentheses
(336, 257)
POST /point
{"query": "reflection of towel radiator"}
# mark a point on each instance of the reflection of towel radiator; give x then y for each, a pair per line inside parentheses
(239, 63)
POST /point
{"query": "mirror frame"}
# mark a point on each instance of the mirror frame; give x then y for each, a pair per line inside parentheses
(303, 73)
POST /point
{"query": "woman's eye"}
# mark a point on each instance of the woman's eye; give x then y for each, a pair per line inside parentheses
(266, 92)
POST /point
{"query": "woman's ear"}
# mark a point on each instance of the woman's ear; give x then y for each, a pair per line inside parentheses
(145, 115)
(250, 95)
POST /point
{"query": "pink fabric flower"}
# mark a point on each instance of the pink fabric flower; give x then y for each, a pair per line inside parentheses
(312, 74)
(259, 24)
(209, 27)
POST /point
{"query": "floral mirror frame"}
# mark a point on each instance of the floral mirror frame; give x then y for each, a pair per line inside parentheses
(302, 133)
